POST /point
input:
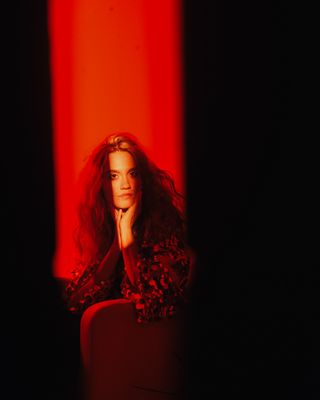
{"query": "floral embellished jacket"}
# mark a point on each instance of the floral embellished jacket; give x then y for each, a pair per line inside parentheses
(161, 286)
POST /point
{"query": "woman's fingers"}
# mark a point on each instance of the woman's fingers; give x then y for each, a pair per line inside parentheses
(126, 219)
(118, 215)
(135, 209)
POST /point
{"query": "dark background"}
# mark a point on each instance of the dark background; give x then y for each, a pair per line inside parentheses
(251, 200)
(253, 203)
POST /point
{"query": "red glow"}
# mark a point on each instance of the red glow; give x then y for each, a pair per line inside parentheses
(115, 66)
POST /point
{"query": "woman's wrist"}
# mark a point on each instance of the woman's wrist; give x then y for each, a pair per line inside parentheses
(130, 257)
(127, 239)
(108, 263)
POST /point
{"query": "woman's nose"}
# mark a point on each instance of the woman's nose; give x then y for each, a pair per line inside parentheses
(125, 184)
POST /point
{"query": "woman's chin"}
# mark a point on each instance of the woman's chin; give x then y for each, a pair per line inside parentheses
(124, 205)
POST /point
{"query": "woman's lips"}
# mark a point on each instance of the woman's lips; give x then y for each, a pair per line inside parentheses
(125, 196)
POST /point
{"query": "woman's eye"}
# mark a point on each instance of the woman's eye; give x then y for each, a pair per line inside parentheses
(134, 173)
(112, 176)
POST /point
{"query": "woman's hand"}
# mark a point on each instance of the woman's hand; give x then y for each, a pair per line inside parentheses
(117, 217)
(126, 222)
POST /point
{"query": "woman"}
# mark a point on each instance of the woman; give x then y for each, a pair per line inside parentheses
(130, 238)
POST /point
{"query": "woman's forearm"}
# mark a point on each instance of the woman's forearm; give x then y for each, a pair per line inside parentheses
(108, 263)
(130, 258)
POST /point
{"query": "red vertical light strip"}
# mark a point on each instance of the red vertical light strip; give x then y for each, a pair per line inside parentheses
(163, 25)
(61, 55)
(116, 65)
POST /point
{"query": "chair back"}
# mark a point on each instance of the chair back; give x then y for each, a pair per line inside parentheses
(127, 360)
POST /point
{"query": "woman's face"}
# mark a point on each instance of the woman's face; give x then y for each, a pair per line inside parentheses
(125, 182)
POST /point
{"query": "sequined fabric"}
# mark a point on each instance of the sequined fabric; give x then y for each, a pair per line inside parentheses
(160, 288)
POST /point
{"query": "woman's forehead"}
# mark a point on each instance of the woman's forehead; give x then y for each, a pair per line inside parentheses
(121, 160)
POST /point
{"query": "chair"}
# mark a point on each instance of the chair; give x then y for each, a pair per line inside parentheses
(126, 360)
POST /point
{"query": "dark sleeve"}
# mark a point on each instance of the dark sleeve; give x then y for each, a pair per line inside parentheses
(163, 272)
(82, 290)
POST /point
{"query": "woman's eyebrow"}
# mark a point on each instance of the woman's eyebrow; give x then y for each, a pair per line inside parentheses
(115, 170)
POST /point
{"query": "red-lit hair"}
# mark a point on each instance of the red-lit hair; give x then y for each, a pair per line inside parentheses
(162, 208)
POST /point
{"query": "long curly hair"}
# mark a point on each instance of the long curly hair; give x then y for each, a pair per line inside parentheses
(162, 213)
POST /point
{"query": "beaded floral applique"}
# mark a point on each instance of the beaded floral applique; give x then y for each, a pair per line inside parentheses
(163, 271)
(163, 274)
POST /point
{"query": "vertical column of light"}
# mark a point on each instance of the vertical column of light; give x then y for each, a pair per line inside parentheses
(123, 73)
(163, 27)
(60, 20)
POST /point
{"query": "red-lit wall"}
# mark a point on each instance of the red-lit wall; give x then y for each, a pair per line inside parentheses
(115, 65)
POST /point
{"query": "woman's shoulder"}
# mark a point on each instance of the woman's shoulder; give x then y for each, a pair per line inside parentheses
(171, 242)
(173, 246)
